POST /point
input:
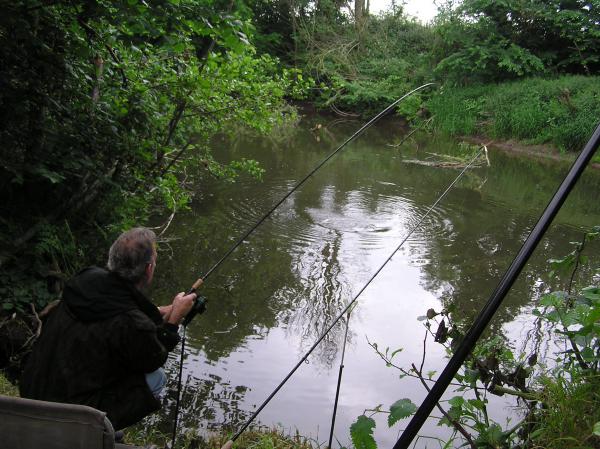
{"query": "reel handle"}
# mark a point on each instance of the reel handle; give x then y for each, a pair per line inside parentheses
(198, 308)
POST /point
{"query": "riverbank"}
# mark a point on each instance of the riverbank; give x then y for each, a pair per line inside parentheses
(559, 113)
(539, 152)
(254, 438)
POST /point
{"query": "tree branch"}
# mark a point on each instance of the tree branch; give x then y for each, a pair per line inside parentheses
(110, 50)
(497, 389)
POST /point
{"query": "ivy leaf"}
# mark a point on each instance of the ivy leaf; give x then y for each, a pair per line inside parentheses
(596, 430)
(401, 409)
(554, 299)
(591, 293)
(361, 432)
(478, 404)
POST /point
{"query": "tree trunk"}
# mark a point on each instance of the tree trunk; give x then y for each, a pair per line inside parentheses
(359, 11)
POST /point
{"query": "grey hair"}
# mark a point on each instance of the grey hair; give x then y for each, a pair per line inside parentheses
(131, 252)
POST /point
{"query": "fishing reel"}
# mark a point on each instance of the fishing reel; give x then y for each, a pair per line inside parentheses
(198, 308)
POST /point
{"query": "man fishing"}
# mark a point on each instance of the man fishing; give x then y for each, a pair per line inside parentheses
(104, 345)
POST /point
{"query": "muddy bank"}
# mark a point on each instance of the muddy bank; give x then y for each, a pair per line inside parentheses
(514, 147)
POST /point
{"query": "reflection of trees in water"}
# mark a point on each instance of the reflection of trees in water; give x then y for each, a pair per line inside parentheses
(465, 267)
(208, 403)
(212, 401)
(321, 298)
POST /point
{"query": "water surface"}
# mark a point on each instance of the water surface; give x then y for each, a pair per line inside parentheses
(276, 294)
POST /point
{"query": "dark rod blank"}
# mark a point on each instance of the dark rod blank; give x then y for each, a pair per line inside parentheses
(499, 293)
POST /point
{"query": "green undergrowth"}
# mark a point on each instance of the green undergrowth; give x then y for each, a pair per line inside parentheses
(263, 438)
(6, 388)
(561, 112)
(570, 412)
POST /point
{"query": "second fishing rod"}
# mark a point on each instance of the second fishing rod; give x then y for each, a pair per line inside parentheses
(200, 302)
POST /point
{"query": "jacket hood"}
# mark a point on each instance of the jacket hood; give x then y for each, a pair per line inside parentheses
(96, 294)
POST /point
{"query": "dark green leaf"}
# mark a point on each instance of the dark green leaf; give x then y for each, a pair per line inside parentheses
(401, 409)
(361, 432)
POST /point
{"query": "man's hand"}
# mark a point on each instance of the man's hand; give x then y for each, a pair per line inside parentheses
(180, 307)
(165, 311)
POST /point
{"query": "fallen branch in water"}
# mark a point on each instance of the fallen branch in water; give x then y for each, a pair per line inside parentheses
(449, 161)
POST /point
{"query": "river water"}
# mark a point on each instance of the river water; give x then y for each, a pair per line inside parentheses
(274, 296)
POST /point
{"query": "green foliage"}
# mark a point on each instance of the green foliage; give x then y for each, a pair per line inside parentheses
(562, 112)
(35, 279)
(108, 106)
(369, 68)
(570, 411)
(261, 438)
(361, 432)
(6, 388)
(402, 408)
(483, 41)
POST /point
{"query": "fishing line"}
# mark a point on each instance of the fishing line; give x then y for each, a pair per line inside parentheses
(312, 172)
(199, 305)
(229, 443)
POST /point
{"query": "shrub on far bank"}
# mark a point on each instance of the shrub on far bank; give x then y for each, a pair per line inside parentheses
(561, 112)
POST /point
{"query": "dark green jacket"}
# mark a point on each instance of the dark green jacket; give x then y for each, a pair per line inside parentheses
(96, 346)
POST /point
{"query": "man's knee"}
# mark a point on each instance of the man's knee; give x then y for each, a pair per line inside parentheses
(156, 381)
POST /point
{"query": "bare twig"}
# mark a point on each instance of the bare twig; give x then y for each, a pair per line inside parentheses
(484, 409)
(402, 370)
(424, 352)
(175, 159)
(578, 251)
(458, 426)
(167, 225)
(38, 329)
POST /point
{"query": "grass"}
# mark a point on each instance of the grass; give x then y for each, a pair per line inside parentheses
(569, 413)
(562, 112)
(252, 439)
(6, 388)
(264, 439)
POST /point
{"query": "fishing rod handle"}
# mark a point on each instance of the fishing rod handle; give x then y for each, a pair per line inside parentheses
(199, 303)
(195, 286)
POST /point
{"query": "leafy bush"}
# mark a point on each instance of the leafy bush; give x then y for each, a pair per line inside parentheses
(104, 105)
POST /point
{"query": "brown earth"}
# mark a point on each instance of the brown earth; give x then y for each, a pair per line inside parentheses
(533, 151)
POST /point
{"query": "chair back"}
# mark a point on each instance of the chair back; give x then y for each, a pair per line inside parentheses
(31, 424)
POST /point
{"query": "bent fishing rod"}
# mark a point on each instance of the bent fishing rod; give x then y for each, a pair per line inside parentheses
(225, 256)
(346, 309)
(200, 302)
(499, 293)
